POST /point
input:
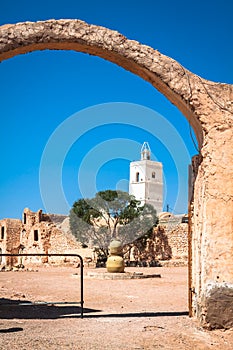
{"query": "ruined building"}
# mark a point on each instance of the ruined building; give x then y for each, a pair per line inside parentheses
(38, 233)
(167, 245)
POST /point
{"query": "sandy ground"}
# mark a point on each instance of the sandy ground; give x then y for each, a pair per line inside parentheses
(119, 314)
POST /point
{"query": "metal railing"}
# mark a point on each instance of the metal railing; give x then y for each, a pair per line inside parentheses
(81, 302)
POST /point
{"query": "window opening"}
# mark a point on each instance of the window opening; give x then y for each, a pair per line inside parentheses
(2, 232)
(36, 235)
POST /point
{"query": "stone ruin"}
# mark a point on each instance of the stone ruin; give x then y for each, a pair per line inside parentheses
(166, 246)
(42, 233)
(39, 233)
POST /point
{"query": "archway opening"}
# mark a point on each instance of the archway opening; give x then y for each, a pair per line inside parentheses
(122, 60)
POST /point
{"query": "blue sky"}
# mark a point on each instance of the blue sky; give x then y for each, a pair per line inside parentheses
(41, 91)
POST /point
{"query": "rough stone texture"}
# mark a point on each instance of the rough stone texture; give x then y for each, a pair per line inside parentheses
(219, 306)
(207, 105)
(53, 237)
(168, 245)
(10, 240)
(178, 241)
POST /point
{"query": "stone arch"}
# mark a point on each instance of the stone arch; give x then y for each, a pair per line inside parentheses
(207, 106)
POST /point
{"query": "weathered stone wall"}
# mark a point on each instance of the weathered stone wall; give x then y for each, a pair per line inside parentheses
(30, 218)
(11, 240)
(53, 237)
(3, 241)
(178, 241)
(55, 218)
(208, 106)
(168, 245)
(38, 234)
(212, 239)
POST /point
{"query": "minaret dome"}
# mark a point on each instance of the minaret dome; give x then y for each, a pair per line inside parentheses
(145, 151)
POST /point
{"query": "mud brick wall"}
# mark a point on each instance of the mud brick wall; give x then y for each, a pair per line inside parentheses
(178, 242)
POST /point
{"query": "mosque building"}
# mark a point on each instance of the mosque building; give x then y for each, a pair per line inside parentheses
(146, 179)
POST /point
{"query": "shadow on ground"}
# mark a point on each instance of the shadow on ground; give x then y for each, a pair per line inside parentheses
(140, 314)
(10, 309)
(11, 330)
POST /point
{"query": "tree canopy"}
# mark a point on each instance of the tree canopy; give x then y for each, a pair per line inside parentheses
(111, 215)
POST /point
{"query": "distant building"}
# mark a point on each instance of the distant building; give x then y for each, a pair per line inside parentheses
(146, 179)
(38, 233)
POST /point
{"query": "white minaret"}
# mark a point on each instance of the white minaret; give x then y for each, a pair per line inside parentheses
(146, 179)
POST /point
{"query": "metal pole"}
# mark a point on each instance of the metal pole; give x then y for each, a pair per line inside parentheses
(81, 276)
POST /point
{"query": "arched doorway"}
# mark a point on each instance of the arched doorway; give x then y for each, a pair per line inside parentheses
(208, 108)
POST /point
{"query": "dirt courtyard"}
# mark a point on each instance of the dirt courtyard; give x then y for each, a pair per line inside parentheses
(119, 314)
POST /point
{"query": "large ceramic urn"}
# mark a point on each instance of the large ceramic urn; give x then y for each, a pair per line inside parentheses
(115, 262)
